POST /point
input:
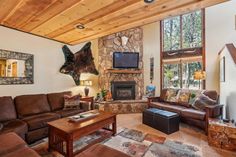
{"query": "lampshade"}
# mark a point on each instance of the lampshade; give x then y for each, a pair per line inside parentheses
(200, 75)
(86, 83)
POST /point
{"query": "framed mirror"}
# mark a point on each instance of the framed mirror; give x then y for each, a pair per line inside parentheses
(16, 68)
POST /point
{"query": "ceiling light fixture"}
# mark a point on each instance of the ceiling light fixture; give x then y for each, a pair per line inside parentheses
(148, 1)
(80, 26)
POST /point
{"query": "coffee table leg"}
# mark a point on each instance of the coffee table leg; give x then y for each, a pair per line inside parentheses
(69, 148)
(50, 139)
(114, 127)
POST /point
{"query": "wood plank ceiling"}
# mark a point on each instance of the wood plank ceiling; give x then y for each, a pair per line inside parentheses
(57, 19)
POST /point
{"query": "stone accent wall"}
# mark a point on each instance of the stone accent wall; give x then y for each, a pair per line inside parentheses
(122, 107)
(112, 43)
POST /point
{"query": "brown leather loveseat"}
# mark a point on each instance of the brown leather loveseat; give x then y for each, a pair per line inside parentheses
(28, 115)
(187, 113)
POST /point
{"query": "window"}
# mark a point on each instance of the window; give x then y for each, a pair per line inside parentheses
(182, 50)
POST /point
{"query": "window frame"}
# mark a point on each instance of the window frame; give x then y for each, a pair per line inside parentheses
(181, 36)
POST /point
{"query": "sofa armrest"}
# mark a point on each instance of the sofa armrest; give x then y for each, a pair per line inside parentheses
(214, 111)
(85, 105)
(153, 99)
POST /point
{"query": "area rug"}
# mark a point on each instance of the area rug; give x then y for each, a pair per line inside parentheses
(134, 143)
(138, 144)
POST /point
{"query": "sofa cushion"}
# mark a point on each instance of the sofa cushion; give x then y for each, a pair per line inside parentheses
(35, 135)
(72, 101)
(171, 95)
(56, 100)
(194, 94)
(183, 97)
(194, 114)
(166, 106)
(17, 126)
(27, 105)
(203, 101)
(211, 94)
(68, 112)
(10, 142)
(40, 121)
(7, 109)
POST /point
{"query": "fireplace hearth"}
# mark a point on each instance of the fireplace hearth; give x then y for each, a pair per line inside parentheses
(123, 90)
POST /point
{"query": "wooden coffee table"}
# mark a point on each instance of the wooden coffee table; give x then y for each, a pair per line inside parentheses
(64, 132)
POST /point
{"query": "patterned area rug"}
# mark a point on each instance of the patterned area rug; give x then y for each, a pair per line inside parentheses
(134, 143)
(139, 144)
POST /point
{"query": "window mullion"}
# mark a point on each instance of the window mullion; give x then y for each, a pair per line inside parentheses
(181, 47)
(181, 74)
(181, 32)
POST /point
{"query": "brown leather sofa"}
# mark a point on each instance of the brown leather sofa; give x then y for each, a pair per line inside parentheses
(187, 113)
(28, 115)
(8, 118)
(12, 145)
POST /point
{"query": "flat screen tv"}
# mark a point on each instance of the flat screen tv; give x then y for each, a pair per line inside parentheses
(124, 60)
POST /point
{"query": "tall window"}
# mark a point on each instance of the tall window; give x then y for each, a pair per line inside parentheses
(182, 50)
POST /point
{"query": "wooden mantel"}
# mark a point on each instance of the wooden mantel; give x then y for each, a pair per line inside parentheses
(124, 71)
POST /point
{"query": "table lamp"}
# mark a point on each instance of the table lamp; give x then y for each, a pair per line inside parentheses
(86, 83)
(199, 75)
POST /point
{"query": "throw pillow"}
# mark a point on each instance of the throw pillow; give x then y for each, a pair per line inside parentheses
(71, 101)
(171, 95)
(183, 97)
(203, 101)
(1, 126)
(194, 94)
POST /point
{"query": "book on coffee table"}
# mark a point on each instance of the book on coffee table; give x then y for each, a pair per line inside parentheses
(83, 116)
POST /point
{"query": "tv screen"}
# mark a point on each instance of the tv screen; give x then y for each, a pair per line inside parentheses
(125, 60)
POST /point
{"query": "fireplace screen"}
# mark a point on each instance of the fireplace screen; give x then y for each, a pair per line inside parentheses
(123, 90)
(124, 93)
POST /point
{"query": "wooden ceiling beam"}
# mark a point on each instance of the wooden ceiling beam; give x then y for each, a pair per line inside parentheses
(154, 18)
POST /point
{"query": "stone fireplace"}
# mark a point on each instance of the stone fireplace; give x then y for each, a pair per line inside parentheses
(123, 90)
(113, 43)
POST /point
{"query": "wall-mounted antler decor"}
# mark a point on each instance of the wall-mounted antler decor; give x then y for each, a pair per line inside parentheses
(80, 62)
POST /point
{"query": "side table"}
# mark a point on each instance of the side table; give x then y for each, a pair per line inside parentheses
(221, 135)
(89, 99)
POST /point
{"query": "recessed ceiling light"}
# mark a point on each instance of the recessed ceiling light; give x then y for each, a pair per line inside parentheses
(148, 1)
(80, 26)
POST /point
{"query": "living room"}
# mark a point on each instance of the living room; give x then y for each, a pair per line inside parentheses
(139, 68)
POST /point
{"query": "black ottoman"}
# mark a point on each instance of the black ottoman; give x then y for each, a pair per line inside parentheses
(165, 121)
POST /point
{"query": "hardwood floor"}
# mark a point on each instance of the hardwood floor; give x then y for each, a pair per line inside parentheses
(187, 134)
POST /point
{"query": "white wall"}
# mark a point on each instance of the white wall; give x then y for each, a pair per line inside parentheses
(48, 58)
(220, 30)
(151, 48)
(228, 88)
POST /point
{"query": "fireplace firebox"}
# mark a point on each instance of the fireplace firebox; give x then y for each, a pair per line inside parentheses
(123, 90)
